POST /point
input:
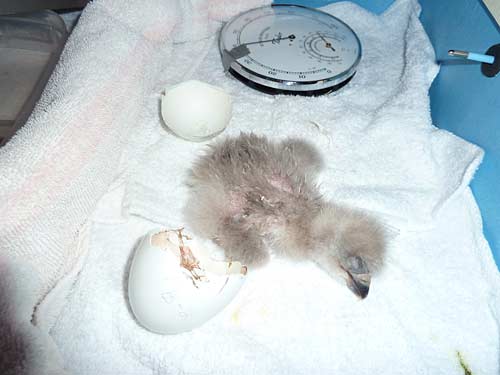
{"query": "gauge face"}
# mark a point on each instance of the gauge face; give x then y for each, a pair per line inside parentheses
(290, 47)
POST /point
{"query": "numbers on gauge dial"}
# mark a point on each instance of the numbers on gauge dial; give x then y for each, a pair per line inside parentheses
(292, 44)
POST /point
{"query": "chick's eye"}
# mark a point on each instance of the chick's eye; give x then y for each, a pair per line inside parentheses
(355, 264)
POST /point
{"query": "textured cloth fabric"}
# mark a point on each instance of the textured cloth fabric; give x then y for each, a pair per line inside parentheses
(436, 303)
(78, 141)
(95, 151)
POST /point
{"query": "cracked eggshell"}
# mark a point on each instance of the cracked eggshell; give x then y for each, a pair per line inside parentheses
(195, 110)
(164, 296)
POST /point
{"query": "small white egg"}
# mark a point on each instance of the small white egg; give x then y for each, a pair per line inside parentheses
(174, 286)
(195, 110)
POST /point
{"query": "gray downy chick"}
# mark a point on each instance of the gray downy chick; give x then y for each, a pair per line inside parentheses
(249, 195)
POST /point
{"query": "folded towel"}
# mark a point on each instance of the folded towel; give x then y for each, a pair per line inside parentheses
(61, 162)
(58, 166)
(433, 307)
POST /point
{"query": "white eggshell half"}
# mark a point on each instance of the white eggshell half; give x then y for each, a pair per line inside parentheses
(195, 110)
(163, 295)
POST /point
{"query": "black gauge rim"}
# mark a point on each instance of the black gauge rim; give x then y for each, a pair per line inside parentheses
(274, 91)
(275, 86)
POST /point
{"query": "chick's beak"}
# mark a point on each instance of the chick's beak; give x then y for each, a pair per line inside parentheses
(359, 284)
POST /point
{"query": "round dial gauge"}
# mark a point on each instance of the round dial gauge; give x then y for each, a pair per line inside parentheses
(290, 49)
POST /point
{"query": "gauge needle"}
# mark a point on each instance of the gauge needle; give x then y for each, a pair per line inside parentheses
(290, 37)
(242, 50)
(327, 43)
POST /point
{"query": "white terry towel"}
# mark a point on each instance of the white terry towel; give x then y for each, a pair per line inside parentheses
(435, 305)
(58, 166)
(53, 172)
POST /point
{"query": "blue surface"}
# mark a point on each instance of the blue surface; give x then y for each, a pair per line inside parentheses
(376, 6)
(463, 101)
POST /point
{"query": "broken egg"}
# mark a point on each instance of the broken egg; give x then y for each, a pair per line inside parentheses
(175, 286)
(196, 110)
